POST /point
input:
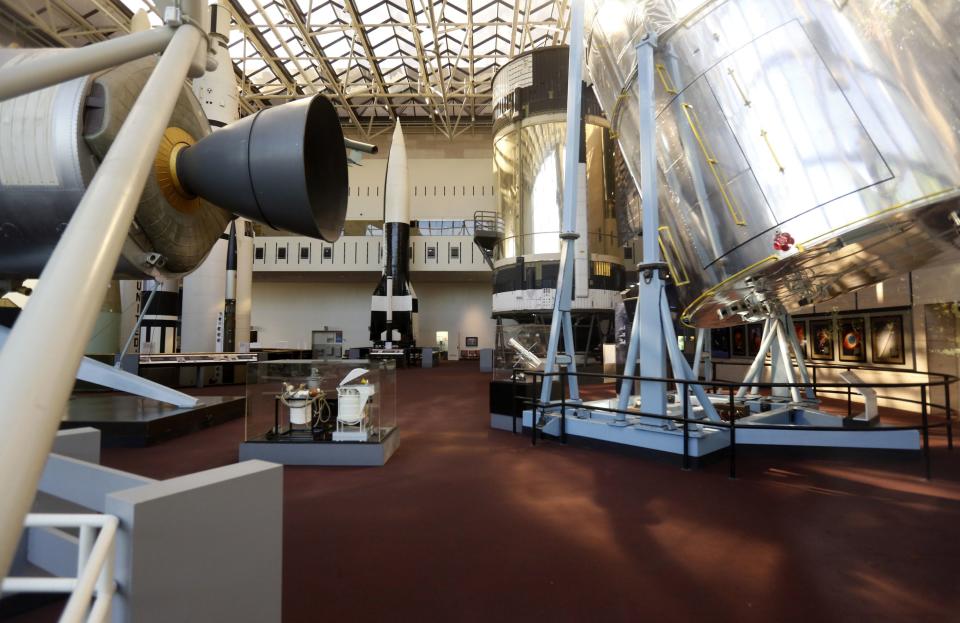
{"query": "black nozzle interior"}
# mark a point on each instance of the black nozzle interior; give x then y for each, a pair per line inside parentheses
(285, 166)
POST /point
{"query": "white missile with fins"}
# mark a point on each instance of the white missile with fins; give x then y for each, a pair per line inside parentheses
(394, 304)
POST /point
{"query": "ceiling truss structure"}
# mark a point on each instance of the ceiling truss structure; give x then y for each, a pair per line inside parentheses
(429, 63)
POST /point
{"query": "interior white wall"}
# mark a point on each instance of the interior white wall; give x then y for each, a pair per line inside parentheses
(286, 312)
(461, 309)
(440, 188)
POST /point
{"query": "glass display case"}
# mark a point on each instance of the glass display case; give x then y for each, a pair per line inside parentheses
(520, 347)
(320, 401)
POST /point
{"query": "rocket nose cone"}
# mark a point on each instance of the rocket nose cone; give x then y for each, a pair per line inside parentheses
(397, 134)
(396, 199)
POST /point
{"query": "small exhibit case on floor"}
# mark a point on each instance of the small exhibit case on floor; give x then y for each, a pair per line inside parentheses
(330, 412)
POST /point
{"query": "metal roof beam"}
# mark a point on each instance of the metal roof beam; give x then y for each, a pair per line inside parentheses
(427, 93)
(427, 7)
(361, 32)
(327, 69)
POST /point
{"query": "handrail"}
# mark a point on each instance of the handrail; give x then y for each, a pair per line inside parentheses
(824, 366)
(483, 218)
(95, 567)
(945, 380)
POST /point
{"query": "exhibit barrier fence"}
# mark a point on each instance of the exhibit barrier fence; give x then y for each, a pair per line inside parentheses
(95, 576)
(563, 405)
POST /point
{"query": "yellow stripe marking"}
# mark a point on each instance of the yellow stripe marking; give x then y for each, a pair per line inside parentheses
(677, 280)
(685, 316)
(736, 83)
(728, 200)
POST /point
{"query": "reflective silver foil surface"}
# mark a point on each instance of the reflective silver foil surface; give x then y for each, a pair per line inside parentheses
(836, 122)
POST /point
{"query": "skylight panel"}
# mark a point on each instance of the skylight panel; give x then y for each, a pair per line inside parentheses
(376, 36)
(375, 15)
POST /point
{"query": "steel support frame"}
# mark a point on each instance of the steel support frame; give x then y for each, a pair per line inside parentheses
(808, 391)
(57, 66)
(647, 326)
(563, 300)
(652, 326)
(42, 354)
(779, 340)
(698, 352)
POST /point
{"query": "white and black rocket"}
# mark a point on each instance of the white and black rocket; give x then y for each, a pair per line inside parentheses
(230, 293)
(394, 304)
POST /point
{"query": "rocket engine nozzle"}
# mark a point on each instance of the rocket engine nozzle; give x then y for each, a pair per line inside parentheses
(285, 166)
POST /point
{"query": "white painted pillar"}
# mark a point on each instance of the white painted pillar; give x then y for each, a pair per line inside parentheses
(203, 289)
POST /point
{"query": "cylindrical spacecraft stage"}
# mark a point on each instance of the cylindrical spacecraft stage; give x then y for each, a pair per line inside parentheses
(805, 148)
(57, 137)
(529, 99)
(284, 165)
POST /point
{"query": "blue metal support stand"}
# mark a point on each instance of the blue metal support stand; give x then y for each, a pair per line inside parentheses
(698, 353)
(801, 359)
(646, 321)
(652, 323)
(563, 302)
(780, 340)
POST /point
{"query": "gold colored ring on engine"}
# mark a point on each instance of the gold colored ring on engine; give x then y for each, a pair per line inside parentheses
(173, 142)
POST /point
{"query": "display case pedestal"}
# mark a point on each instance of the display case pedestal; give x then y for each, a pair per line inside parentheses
(341, 453)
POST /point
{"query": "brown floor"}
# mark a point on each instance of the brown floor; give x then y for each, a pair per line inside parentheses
(469, 524)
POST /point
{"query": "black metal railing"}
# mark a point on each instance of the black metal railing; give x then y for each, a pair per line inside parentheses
(487, 221)
(827, 387)
(934, 379)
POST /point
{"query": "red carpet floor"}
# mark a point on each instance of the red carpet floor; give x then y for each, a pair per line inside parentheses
(469, 524)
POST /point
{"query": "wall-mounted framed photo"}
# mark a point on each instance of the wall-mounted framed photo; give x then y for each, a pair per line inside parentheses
(471, 342)
(886, 339)
(738, 341)
(800, 329)
(754, 338)
(821, 339)
(853, 340)
(720, 343)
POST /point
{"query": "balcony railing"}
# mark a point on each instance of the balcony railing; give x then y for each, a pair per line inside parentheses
(94, 581)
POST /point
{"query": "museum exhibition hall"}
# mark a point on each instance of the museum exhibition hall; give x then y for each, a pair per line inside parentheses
(479, 310)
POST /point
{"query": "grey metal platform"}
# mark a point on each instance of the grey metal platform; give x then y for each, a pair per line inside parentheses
(131, 421)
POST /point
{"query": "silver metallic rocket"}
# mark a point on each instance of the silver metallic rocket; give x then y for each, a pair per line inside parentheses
(394, 303)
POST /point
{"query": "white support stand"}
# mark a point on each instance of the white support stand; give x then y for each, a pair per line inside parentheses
(808, 391)
(698, 354)
(563, 302)
(652, 322)
(781, 343)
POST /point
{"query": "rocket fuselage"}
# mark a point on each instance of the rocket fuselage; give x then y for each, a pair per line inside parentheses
(230, 293)
(394, 302)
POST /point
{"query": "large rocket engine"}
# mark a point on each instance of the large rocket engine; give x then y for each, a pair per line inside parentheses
(284, 166)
